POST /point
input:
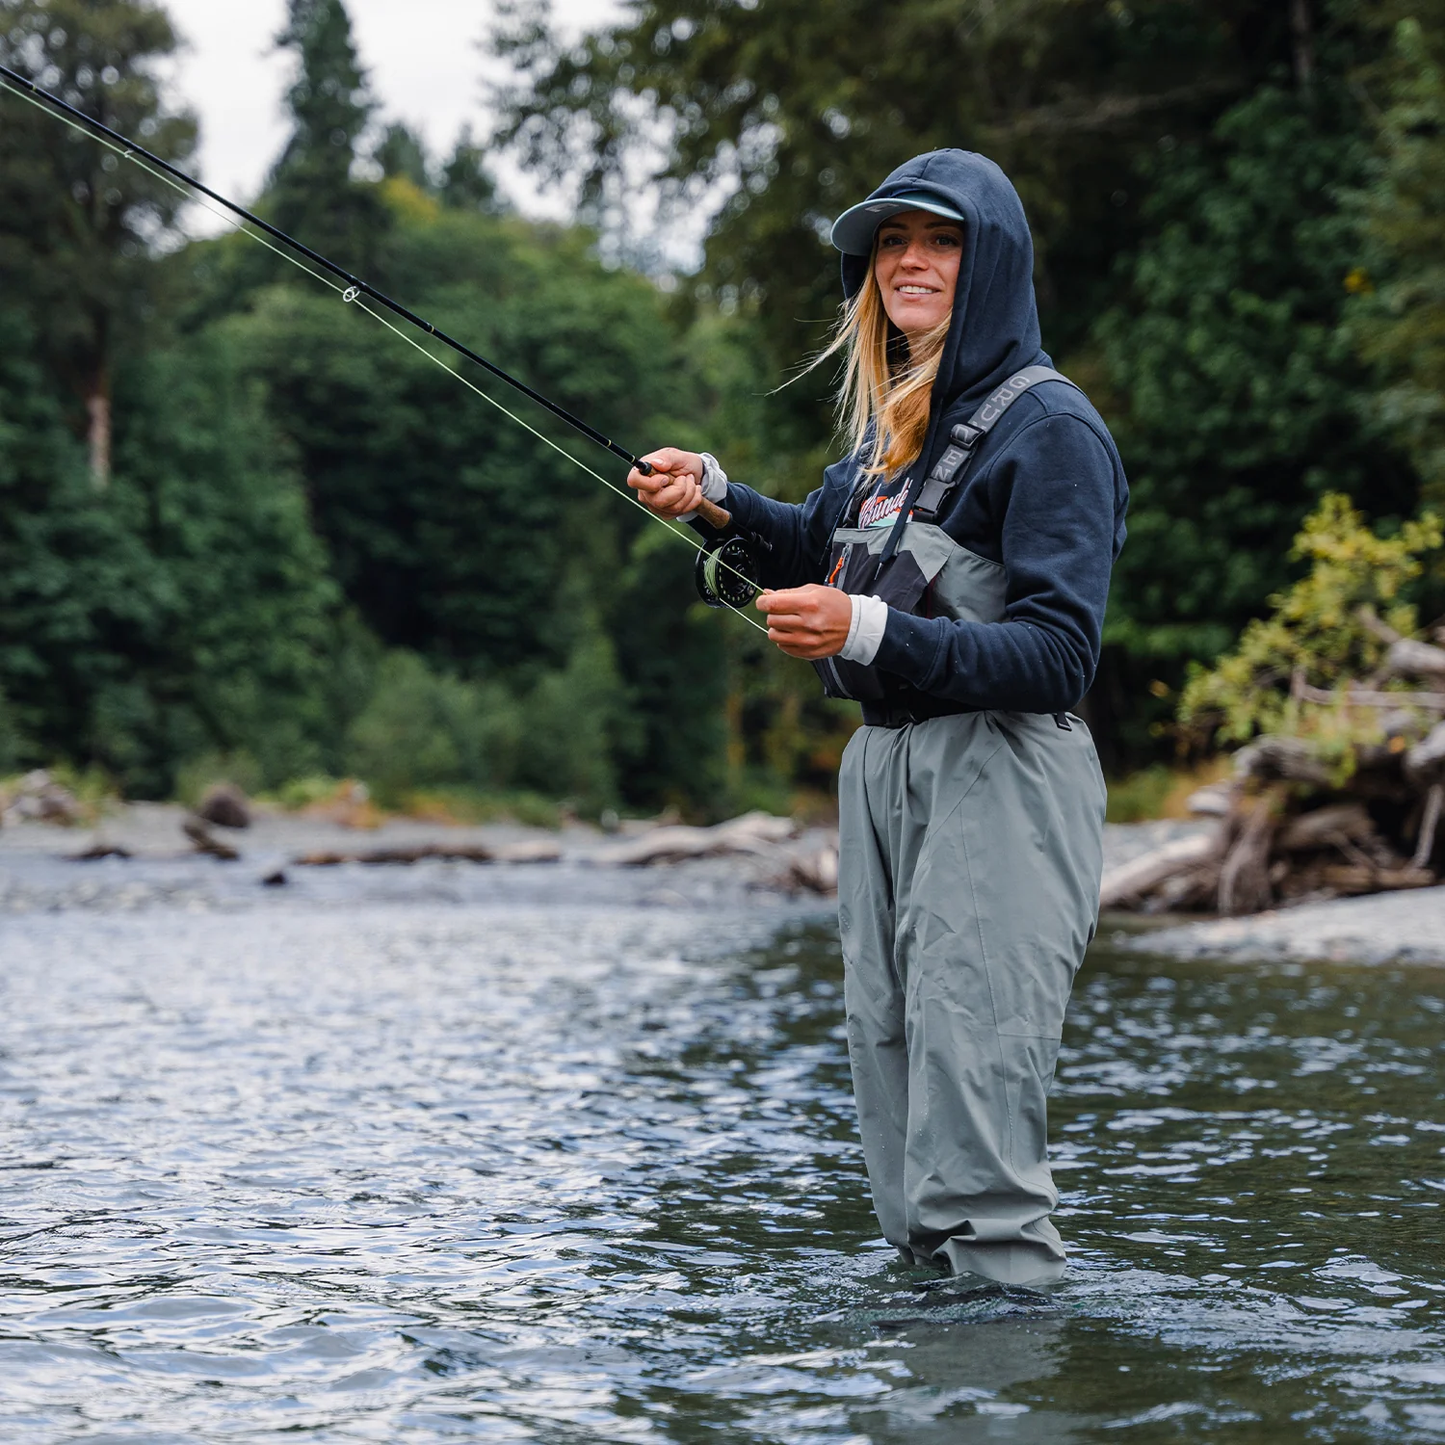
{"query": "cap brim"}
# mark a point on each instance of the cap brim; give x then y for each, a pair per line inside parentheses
(854, 230)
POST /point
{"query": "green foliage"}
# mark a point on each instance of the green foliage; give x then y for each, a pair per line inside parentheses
(1239, 391)
(1401, 326)
(571, 721)
(184, 609)
(76, 224)
(320, 555)
(422, 729)
(312, 191)
(800, 109)
(467, 184)
(13, 747)
(401, 152)
(1141, 795)
(1314, 633)
(454, 531)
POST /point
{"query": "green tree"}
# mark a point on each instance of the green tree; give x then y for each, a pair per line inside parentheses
(797, 110)
(401, 152)
(1401, 326)
(185, 609)
(467, 184)
(76, 223)
(1237, 392)
(312, 190)
(454, 532)
(1183, 166)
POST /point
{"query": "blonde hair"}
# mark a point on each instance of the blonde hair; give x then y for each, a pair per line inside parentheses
(882, 399)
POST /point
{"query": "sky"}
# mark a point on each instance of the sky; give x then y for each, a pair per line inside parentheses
(424, 63)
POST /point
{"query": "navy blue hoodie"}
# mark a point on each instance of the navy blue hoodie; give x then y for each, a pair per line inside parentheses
(1045, 495)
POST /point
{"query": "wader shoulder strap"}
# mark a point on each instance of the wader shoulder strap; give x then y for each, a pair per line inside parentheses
(964, 439)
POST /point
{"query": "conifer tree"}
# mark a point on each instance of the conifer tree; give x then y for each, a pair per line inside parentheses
(76, 223)
(402, 153)
(467, 184)
(1402, 325)
(313, 192)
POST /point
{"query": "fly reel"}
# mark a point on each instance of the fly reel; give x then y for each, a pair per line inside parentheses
(726, 573)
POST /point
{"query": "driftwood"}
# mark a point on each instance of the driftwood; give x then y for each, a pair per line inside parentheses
(204, 841)
(1277, 759)
(751, 833)
(98, 851)
(543, 851)
(812, 870)
(1290, 827)
(1140, 876)
(1425, 762)
(1244, 881)
(1308, 831)
(1368, 697)
(1408, 658)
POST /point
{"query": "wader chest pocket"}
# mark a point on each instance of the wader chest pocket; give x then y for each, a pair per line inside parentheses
(901, 584)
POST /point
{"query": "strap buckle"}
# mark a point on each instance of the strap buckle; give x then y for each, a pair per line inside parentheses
(962, 439)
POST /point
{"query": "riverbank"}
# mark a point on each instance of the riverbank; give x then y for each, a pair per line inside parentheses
(1405, 926)
(581, 864)
(141, 856)
(1400, 927)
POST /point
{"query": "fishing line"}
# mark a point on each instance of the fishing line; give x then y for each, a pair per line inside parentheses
(730, 556)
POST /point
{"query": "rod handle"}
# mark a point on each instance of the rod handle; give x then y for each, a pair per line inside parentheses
(714, 515)
(716, 518)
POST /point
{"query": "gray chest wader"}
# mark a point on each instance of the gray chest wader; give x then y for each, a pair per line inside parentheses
(968, 891)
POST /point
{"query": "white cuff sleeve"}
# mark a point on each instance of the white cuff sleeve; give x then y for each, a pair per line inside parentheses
(714, 483)
(714, 479)
(865, 632)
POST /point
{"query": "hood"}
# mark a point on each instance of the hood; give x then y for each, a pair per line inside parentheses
(995, 329)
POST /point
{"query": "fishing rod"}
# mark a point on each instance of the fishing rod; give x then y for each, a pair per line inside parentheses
(726, 572)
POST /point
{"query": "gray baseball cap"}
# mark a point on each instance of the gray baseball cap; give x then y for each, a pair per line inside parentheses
(854, 230)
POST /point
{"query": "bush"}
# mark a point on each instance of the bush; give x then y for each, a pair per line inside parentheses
(1317, 634)
(571, 721)
(422, 729)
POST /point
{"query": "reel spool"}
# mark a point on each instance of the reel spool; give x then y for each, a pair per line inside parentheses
(726, 573)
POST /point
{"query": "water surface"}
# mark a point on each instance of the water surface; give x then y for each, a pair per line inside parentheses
(427, 1170)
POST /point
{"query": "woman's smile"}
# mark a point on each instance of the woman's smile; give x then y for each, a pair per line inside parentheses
(916, 266)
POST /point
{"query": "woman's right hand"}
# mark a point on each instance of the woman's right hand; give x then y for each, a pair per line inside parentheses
(675, 486)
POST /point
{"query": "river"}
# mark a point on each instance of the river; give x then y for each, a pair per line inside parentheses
(395, 1162)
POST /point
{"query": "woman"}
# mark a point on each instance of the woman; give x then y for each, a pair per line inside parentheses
(951, 573)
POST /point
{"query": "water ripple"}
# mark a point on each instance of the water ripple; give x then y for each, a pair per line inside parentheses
(413, 1172)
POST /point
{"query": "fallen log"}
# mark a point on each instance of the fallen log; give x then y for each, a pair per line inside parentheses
(1131, 880)
(1358, 878)
(456, 853)
(814, 870)
(751, 833)
(1407, 658)
(1325, 826)
(542, 851)
(204, 841)
(1280, 759)
(1371, 697)
(1244, 876)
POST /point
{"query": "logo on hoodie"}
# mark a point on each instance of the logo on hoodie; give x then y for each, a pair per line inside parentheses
(879, 510)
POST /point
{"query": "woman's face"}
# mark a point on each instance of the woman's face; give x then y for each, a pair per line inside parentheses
(916, 267)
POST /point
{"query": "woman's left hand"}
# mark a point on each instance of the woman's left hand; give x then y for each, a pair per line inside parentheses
(808, 622)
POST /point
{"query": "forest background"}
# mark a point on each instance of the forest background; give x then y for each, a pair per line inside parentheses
(245, 532)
